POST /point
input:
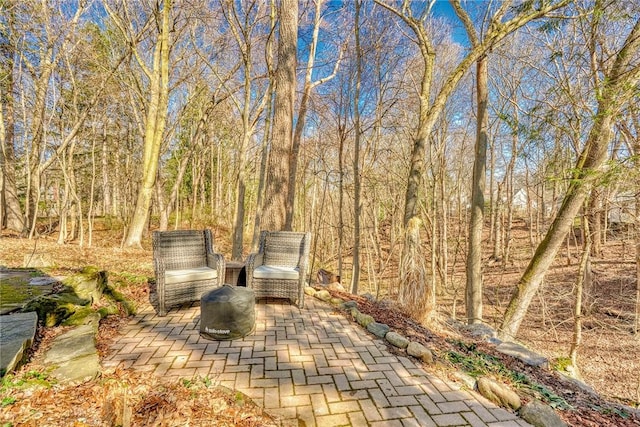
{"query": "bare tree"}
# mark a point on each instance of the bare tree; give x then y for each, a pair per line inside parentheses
(614, 89)
(307, 89)
(156, 112)
(431, 106)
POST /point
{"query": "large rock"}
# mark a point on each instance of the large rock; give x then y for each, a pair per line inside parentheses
(499, 393)
(74, 355)
(90, 284)
(540, 415)
(78, 342)
(348, 305)
(416, 349)
(323, 295)
(363, 319)
(78, 370)
(524, 354)
(16, 336)
(19, 287)
(466, 379)
(397, 340)
(378, 329)
(55, 308)
(481, 331)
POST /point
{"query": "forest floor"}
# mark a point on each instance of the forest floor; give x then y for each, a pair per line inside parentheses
(608, 357)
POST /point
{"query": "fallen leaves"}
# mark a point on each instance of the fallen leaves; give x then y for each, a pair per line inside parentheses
(129, 398)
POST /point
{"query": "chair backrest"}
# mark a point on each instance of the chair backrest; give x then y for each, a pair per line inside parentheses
(284, 248)
(180, 249)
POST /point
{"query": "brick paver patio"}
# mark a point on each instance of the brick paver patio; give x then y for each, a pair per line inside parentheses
(310, 367)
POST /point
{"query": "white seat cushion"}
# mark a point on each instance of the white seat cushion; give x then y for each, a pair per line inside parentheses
(276, 272)
(189, 275)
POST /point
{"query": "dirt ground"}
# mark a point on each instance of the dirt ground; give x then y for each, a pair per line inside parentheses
(608, 358)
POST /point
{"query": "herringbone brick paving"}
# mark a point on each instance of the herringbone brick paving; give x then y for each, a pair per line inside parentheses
(308, 366)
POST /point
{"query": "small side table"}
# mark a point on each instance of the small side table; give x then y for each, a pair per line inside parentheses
(235, 273)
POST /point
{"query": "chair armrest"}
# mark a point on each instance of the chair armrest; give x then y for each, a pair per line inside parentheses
(216, 261)
(253, 260)
(159, 266)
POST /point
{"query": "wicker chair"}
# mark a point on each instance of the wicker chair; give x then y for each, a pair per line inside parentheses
(185, 266)
(279, 268)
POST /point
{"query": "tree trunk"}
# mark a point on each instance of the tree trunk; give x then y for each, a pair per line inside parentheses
(264, 160)
(278, 173)
(238, 221)
(11, 215)
(476, 224)
(595, 221)
(582, 282)
(341, 174)
(266, 136)
(154, 129)
(357, 208)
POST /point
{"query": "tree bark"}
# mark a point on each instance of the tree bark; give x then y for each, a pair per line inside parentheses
(476, 223)
(11, 215)
(278, 173)
(357, 208)
(582, 282)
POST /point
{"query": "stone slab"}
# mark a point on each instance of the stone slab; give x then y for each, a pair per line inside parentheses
(16, 335)
(522, 353)
(78, 370)
(74, 355)
(78, 342)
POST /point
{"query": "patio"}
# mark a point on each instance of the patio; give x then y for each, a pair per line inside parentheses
(308, 365)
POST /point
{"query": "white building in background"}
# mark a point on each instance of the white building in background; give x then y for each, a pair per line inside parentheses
(520, 200)
(622, 209)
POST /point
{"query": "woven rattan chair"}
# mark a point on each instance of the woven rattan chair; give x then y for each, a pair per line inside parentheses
(185, 266)
(279, 268)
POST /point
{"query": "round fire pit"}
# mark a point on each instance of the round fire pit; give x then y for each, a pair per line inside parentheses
(227, 313)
